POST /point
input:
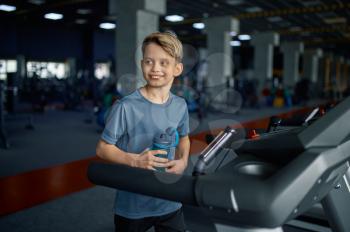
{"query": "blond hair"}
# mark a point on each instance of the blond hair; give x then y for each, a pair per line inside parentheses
(168, 41)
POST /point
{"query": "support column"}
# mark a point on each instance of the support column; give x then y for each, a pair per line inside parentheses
(339, 61)
(72, 66)
(291, 52)
(346, 74)
(135, 20)
(327, 64)
(202, 70)
(88, 65)
(219, 48)
(21, 69)
(310, 65)
(202, 53)
(21, 66)
(263, 56)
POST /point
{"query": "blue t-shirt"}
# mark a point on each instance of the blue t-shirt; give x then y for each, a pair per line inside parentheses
(131, 125)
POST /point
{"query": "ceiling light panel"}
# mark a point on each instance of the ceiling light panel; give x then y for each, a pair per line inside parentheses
(274, 19)
(253, 9)
(84, 11)
(244, 37)
(107, 26)
(174, 18)
(53, 16)
(235, 43)
(234, 2)
(335, 20)
(37, 2)
(80, 21)
(198, 25)
(311, 3)
(7, 8)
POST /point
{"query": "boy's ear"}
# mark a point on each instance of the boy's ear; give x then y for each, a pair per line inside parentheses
(179, 67)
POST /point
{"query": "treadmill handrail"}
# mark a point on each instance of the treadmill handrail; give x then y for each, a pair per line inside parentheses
(154, 183)
(329, 130)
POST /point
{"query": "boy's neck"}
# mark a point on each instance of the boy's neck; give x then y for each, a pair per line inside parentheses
(155, 95)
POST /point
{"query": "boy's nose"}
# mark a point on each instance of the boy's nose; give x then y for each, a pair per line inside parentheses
(156, 66)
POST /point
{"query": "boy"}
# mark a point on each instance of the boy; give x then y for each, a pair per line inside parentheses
(131, 126)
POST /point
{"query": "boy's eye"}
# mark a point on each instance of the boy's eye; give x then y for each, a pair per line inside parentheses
(148, 62)
(164, 63)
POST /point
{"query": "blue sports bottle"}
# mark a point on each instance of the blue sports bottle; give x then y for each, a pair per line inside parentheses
(167, 141)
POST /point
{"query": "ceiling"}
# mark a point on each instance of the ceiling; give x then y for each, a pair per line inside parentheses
(318, 23)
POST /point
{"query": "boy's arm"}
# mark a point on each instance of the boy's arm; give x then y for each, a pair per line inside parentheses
(183, 149)
(146, 159)
(182, 152)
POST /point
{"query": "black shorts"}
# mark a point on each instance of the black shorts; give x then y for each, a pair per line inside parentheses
(172, 222)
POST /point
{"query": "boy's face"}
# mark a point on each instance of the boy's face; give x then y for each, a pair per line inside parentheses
(158, 67)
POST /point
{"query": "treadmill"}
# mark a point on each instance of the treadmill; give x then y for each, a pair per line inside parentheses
(273, 180)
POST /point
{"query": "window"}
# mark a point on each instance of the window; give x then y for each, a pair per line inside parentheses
(102, 70)
(7, 66)
(46, 70)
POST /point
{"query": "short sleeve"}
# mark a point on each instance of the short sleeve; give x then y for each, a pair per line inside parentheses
(115, 124)
(183, 127)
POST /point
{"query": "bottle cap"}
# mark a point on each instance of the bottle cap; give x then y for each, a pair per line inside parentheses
(172, 132)
(162, 139)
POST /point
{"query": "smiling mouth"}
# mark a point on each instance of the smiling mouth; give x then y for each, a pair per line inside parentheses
(155, 77)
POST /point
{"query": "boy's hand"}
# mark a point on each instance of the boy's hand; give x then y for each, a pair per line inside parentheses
(148, 160)
(177, 166)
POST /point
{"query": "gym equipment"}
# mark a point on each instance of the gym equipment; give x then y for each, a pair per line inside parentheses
(215, 147)
(11, 93)
(315, 217)
(273, 180)
(3, 138)
(296, 121)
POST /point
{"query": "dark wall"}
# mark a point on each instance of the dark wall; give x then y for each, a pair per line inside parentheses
(104, 44)
(8, 41)
(49, 43)
(45, 43)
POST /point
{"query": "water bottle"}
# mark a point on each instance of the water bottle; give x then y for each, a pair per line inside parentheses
(167, 141)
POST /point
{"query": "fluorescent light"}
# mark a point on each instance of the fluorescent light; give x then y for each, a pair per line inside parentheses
(235, 43)
(7, 8)
(107, 26)
(253, 9)
(284, 24)
(233, 33)
(80, 21)
(205, 15)
(244, 37)
(335, 20)
(296, 28)
(234, 2)
(274, 19)
(37, 2)
(53, 16)
(311, 3)
(84, 11)
(174, 18)
(198, 25)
